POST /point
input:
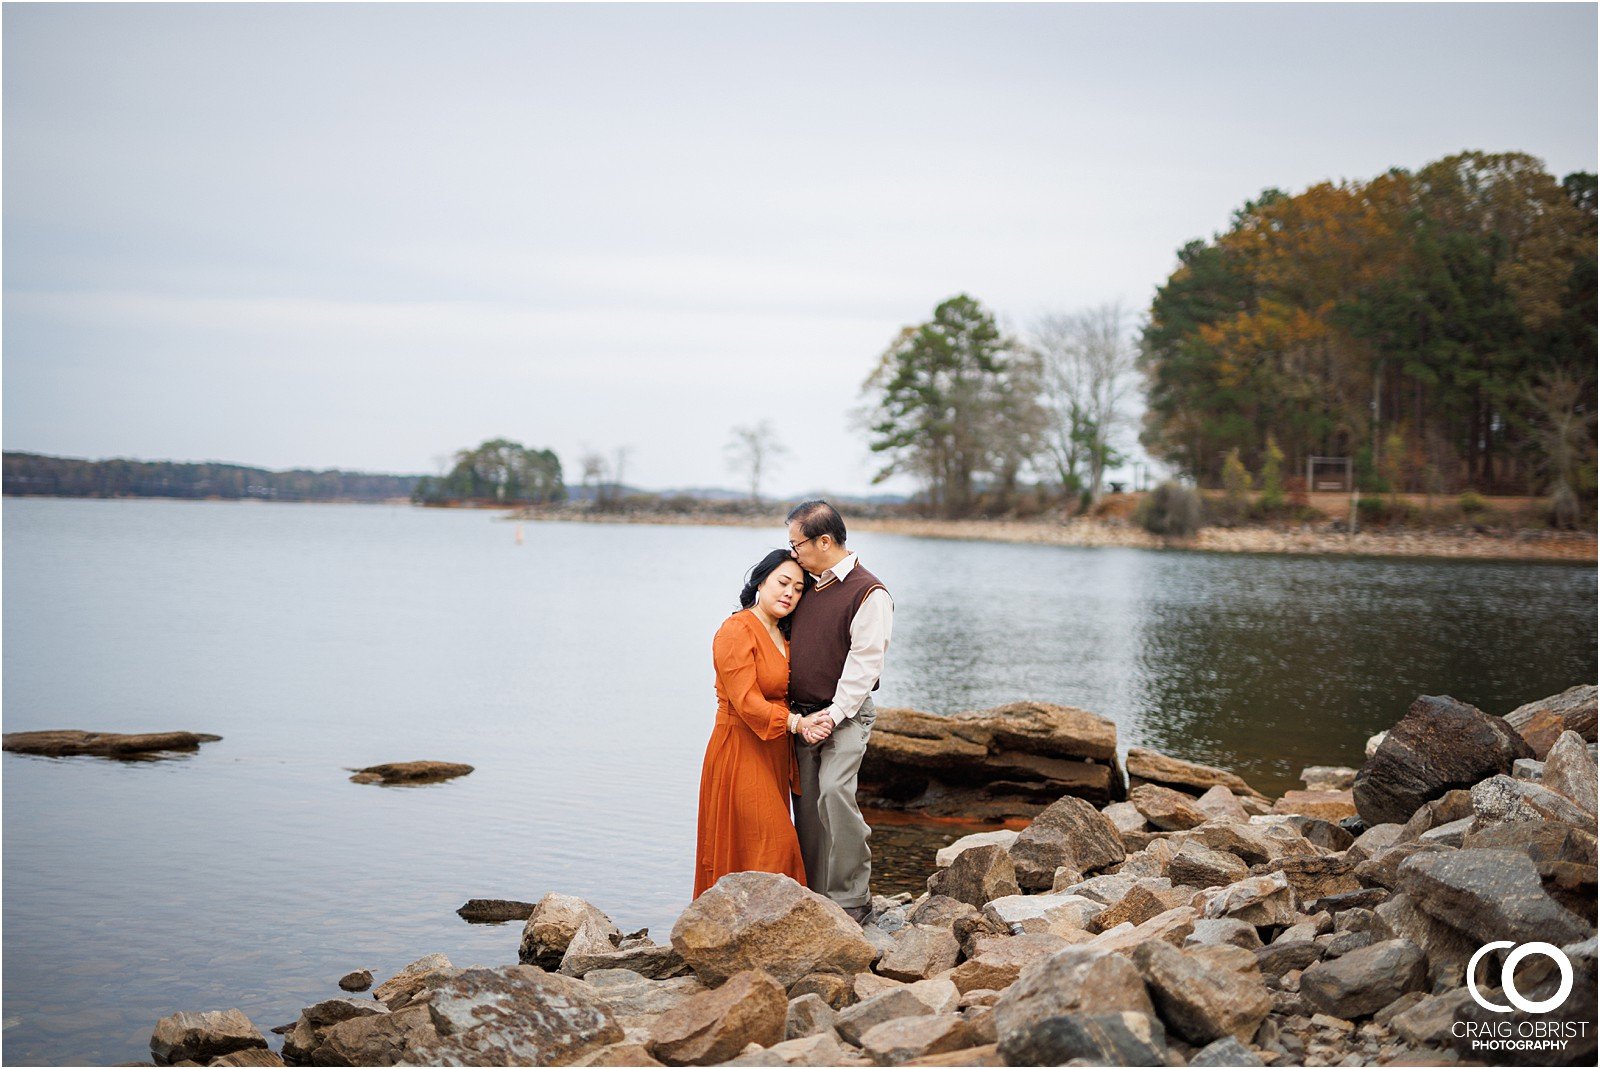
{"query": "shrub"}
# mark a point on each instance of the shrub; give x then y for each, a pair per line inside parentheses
(1472, 503)
(1171, 510)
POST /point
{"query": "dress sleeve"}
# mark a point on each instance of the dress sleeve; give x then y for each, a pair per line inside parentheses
(734, 654)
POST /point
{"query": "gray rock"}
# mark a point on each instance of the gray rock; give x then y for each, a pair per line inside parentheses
(940, 909)
(1200, 866)
(1489, 894)
(200, 1037)
(380, 1039)
(1069, 832)
(398, 990)
(555, 919)
(1281, 958)
(976, 876)
(1095, 1038)
(1503, 800)
(918, 952)
(1225, 1052)
(854, 1021)
(1570, 770)
(512, 1015)
(1197, 999)
(899, 1041)
(1077, 980)
(1527, 768)
(1364, 981)
(1440, 744)
(1428, 1021)
(1166, 808)
(1447, 949)
(1223, 931)
(807, 1016)
(592, 949)
(1003, 838)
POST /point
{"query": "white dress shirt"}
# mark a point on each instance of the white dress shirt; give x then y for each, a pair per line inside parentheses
(869, 642)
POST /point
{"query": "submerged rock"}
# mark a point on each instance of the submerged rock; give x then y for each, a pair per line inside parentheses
(494, 910)
(409, 773)
(70, 743)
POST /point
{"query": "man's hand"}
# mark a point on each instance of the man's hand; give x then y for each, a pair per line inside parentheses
(816, 727)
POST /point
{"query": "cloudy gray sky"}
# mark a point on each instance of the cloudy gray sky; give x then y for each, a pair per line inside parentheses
(364, 236)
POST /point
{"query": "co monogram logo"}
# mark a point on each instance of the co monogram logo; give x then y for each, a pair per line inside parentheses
(1508, 982)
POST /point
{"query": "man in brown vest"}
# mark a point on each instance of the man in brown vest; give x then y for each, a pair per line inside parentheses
(839, 634)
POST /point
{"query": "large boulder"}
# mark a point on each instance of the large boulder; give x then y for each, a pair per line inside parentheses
(1542, 722)
(637, 1000)
(1504, 800)
(976, 876)
(199, 1037)
(548, 932)
(714, 1026)
(1069, 832)
(1005, 762)
(764, 920)
(1489, 894)
(512, 1015)
(1366, 980)
(1200, 1000)
(1448, 949)
(1439, 745)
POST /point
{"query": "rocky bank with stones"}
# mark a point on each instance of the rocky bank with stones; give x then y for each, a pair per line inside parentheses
(1183, 920)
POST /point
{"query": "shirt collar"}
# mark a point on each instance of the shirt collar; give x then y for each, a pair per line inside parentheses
(838, 571)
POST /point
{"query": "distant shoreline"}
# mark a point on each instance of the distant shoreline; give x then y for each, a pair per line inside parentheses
(1562, 547)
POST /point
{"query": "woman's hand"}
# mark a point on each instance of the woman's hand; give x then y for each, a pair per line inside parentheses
(816, 727)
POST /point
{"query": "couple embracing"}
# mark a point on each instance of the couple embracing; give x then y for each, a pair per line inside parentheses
(796, 667)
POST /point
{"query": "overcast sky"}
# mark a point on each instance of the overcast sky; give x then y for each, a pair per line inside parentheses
(365, 236)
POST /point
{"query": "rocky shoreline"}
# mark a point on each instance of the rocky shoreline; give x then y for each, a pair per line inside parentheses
(1184, 919)
(1573, 547)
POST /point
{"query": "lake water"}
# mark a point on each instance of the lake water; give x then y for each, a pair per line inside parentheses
(574, 672)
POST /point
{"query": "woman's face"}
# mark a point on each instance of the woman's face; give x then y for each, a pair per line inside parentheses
(781, 589)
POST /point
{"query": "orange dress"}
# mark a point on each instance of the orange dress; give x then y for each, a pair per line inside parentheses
(750, 767)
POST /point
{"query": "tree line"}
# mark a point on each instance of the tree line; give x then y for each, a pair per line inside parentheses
(1436, 328)
(499, 471)
(38, 475)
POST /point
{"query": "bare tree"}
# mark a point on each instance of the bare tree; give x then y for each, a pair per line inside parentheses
(753, 452)
(593, 467)
(617, 468)
(1087, 360)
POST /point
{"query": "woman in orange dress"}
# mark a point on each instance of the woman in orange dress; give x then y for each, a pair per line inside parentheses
(750, 767)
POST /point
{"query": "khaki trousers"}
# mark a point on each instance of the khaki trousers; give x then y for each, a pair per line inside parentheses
(833, 834)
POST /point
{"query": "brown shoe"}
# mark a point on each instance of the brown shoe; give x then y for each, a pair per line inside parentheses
(858, 913)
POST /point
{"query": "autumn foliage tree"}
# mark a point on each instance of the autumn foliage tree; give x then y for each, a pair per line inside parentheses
(1400, 320)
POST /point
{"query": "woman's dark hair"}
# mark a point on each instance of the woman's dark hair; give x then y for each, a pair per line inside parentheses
(818, 518)
(758, 575)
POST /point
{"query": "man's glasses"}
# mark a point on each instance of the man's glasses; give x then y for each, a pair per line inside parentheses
(795, 546)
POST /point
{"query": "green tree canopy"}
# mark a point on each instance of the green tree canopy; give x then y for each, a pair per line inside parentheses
(500, 471)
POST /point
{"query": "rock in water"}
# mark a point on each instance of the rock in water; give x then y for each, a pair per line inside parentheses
(409, 773)
(67, 743)
(764, 920)
(199, 1037)
(555, 919)
(1439, 745)
(494, 911)
(359, 980)
(716, 1025)
(1069, 832)
(512, 1015)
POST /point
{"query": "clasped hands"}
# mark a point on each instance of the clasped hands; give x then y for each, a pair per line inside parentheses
(816, 727)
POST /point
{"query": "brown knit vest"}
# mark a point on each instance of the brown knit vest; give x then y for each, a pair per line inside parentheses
(819, 637)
